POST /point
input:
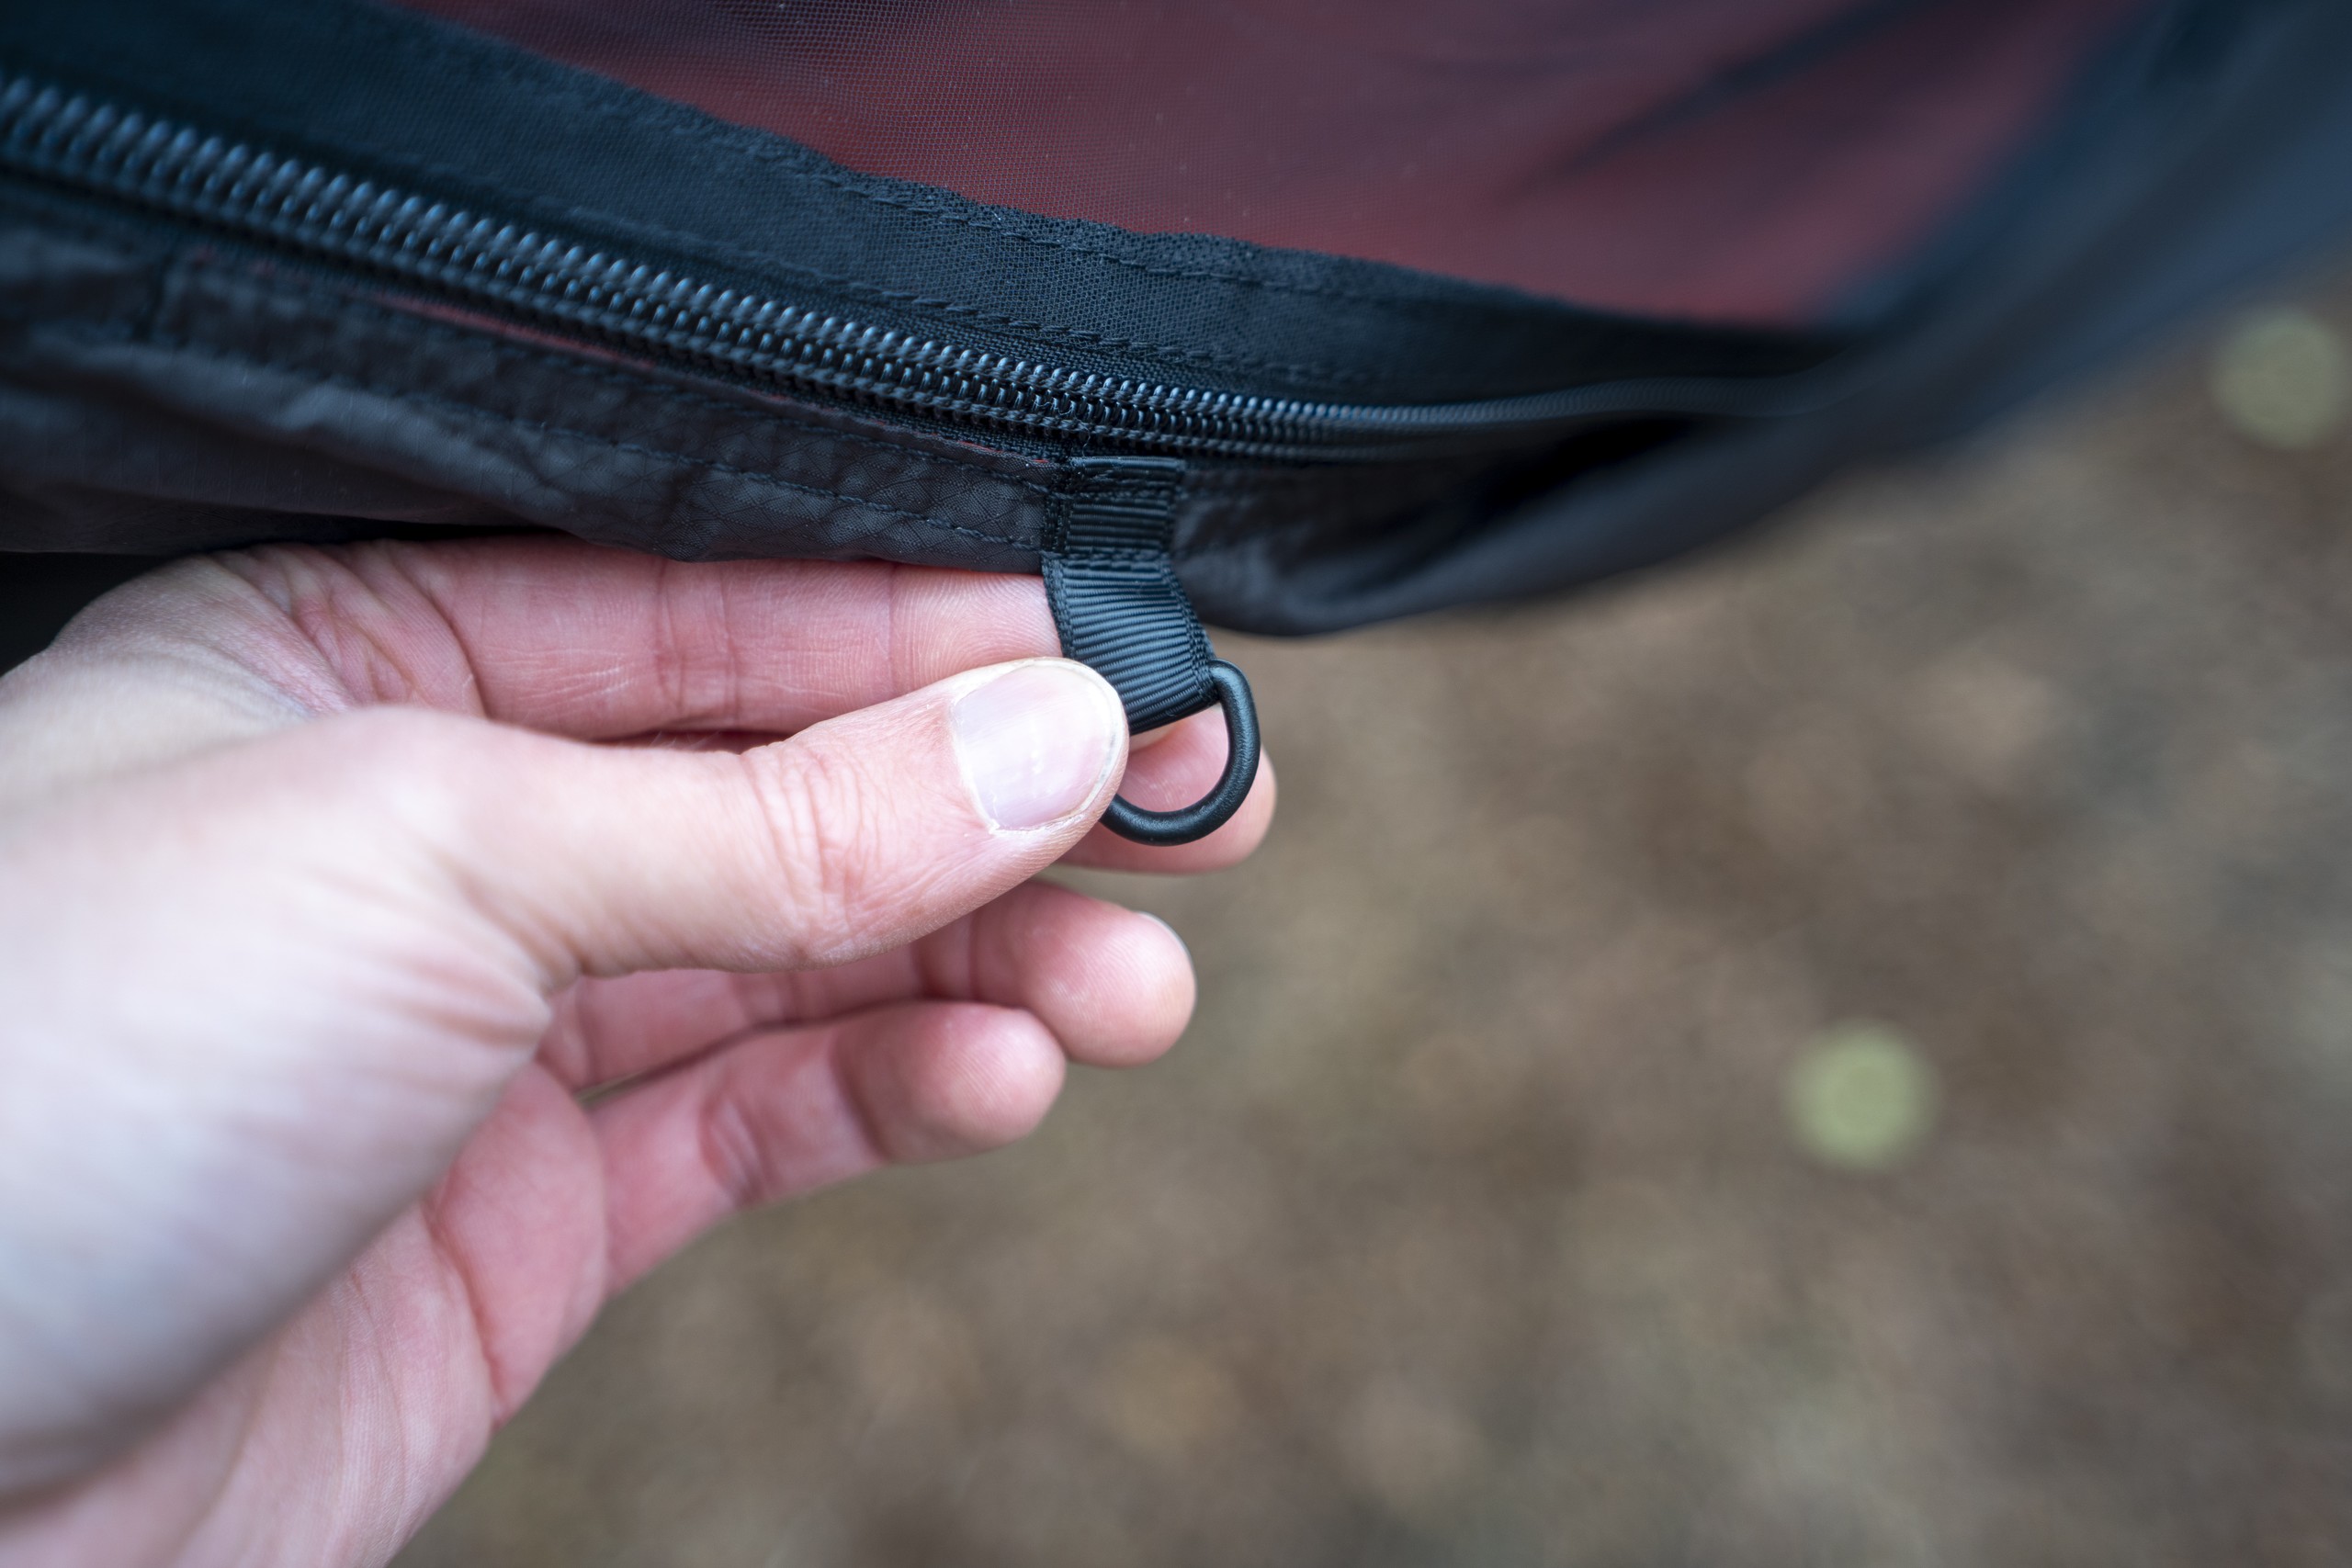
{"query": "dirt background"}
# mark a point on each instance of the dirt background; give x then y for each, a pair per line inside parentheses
(1468, 1226)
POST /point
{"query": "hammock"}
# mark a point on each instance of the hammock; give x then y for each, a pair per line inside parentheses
(1292, 314)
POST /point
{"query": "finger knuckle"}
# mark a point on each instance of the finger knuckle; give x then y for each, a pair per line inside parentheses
(738, 1153)
(994, 1075)
(818, 807)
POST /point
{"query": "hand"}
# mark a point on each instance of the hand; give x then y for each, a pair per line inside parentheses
(321, 908)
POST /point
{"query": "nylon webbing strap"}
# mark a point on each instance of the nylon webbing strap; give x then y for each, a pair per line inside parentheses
(1113, 590)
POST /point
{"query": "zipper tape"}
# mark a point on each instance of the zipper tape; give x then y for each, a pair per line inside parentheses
(166, 166)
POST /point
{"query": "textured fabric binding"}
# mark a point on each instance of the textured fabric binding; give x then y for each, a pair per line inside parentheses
(1116, 599)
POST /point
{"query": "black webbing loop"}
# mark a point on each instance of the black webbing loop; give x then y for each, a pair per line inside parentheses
(1119, 608)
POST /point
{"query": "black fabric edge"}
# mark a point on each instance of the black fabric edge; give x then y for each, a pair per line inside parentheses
(473, 119)
(2224, 166)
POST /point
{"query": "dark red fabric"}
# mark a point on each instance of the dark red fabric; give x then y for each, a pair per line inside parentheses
(1752, 160)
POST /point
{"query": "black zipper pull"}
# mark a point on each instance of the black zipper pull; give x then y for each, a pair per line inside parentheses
(1119, 608)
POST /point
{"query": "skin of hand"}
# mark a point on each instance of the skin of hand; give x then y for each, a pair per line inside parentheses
(405, 947)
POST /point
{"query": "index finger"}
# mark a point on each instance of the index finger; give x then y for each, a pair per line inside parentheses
(576, 639)
(556, 635)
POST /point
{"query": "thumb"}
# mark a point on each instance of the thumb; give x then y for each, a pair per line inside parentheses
(246, 990)
(853, 837)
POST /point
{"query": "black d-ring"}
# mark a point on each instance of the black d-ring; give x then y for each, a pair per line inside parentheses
(1213, 810)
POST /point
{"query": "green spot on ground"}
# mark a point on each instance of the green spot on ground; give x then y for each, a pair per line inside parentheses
(2283, 377)
(1861, 1097)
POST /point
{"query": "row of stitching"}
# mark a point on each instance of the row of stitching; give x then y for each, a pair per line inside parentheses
(114, 331)
(1244, 482)
(803, 162)
(1323, 475)
(842, 283)
(547, 360)
(768, 260)
(909, 300)
(1172, 353)
(850, 185)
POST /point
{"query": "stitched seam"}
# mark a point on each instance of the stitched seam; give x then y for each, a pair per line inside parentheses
(339, 300)
(1370, 475)
(857, 289)
(937, 304)
(175, 255)
(68, 215)
(703, 244)
(933, 210)
(807, 163)
(105, 333)
(1245, 482)
(550, 360)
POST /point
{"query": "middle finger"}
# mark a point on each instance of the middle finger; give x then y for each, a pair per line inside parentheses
(1115, 987)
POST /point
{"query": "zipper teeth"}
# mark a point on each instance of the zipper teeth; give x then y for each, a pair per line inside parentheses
(173, 168)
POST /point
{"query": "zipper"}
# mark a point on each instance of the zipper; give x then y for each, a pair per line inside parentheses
(165, 167)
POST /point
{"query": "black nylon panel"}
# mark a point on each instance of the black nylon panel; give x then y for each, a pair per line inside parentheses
(1116, 599)
(463, 119)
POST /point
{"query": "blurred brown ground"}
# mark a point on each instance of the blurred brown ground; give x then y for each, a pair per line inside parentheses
(1467, 1226)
